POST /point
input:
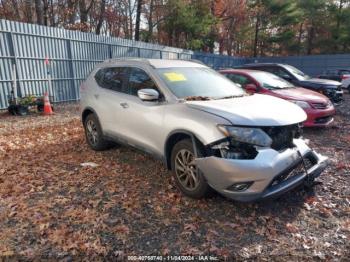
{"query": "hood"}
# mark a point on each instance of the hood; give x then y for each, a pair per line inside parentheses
(319, 81)
(301, 94)
(254, 110)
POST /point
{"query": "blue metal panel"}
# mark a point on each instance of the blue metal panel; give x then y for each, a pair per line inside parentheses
(72, 56)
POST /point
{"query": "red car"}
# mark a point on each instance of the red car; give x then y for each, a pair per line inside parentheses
(319, 109)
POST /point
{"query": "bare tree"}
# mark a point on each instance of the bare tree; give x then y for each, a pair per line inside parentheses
(138, 18)
(39, 12)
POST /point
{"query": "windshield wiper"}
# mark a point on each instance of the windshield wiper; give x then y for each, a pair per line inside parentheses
(197, 98)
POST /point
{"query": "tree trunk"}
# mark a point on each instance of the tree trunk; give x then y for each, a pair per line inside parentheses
(39, 12)
(45, 12)
(84, 11)
(299, 37)
(71, 7)
(310, 39)
(16, 9)
(52, 15)
(28, 11)
(138, 18)
(101, 17)
(131, 31)
(256, 37)
(150, 22)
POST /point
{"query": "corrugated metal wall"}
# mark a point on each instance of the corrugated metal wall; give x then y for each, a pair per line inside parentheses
(72, 56)
(219, 61)
(312, 65)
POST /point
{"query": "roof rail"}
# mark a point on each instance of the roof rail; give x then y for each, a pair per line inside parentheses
(128, 59)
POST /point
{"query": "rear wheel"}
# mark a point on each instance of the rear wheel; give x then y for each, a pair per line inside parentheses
(94, 135)
(189, 179)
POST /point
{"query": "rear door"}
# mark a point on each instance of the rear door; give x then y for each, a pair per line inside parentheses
(112, 86)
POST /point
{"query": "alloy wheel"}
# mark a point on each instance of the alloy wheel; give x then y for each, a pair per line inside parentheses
(186, 170)
(91, 132)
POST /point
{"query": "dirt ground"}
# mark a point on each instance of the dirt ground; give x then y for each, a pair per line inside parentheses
(53, 208)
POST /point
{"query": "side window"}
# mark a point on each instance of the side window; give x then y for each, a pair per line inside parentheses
(139, 79)
(344, 72)
(112, 78)
(239, 79)
(279, 72)
(99, 76)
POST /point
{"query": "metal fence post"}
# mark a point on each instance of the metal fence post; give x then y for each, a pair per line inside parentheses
(13, 53)
(71, 68)
(110, 53)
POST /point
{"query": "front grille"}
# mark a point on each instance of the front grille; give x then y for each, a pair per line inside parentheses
(292, 172)
(282, 136)
(320, 105)
(303, 164)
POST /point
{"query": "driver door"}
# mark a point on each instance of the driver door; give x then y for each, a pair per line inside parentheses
(142, 120)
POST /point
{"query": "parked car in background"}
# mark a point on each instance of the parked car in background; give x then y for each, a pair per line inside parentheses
(330, 88)
(319, 109)
(205, 128)
(341, 75)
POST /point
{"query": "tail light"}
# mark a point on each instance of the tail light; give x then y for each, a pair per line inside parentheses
(343, 77)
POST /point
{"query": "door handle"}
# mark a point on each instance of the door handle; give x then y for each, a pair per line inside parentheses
(124, 105)
(96, 96)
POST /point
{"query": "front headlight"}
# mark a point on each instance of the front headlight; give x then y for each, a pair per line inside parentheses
(249, 135)
(302, 104)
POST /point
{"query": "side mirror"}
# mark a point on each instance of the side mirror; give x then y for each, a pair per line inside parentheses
(251, 88)
(148, 94)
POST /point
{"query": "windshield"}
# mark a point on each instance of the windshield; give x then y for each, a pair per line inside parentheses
(271, 81)
(297, 73)
(202, 82)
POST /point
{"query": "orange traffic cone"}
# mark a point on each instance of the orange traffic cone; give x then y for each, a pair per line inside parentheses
(47, 105)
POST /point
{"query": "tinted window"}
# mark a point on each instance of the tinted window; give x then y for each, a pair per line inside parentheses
(296, 73)
(99, 76)
(139, 79)
(239, 79)
(111, 78)
(344, 72)
(278, 71)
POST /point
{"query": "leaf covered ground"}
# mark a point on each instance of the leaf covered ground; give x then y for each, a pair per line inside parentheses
(54, 208)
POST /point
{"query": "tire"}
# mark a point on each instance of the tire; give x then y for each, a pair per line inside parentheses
(93, 134)
(198, 188)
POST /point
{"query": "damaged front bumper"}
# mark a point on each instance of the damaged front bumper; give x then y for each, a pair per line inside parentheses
(268, 175)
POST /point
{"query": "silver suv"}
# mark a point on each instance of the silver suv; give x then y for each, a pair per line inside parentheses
(207, 130)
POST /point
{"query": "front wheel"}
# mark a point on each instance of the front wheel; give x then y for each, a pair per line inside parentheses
(94, 135)
(188, 178)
